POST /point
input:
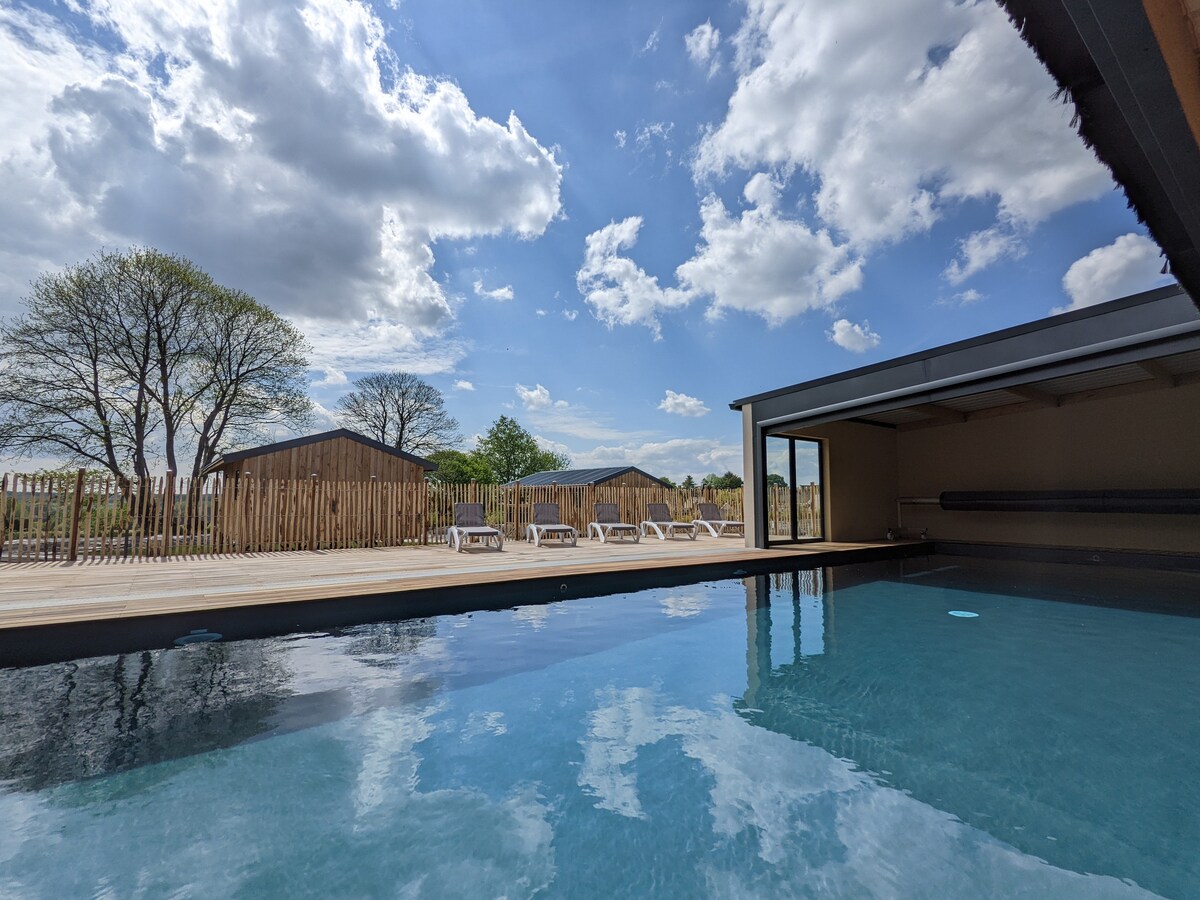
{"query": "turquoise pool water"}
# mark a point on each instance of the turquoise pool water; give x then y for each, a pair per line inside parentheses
(810, 734)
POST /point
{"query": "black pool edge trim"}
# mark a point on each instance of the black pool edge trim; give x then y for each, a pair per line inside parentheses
(42, 644)
(1174, 562)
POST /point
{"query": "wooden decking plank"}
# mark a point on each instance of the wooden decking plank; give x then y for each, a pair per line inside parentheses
(59, 593)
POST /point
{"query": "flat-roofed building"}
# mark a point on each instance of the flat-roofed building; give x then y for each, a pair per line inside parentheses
(1079, 430)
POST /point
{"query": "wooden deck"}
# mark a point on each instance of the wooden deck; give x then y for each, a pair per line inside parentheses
(59, 593)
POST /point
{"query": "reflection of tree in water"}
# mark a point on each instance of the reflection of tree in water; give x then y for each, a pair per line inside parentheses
(109, 714)
(386, 644)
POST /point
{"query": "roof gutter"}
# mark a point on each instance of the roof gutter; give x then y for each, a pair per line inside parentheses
(1029, 365)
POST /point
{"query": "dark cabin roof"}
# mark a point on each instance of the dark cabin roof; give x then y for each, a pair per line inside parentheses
(581, 476)
(1130, 70)
(239, 455)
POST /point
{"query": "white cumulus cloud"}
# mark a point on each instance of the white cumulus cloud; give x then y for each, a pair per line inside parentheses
(898, 110)
(537, 397)
(766, 263)
(979, 250)
(701, 44)
(617, 289)
(856, 338)
(463, 385)
(332, 378)
(1128, 265)
(760, 261)
(682, 405)
(501, 293)
(553, 446)
(283, 147)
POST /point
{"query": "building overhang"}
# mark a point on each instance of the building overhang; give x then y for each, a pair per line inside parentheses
(1145, 342)
(1132, 71)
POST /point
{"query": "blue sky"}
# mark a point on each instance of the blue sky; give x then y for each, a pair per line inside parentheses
(607, 220)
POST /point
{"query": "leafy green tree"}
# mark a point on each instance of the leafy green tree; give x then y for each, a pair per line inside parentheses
(667, 481)
(776, 480)
(130, 355)
(512, 452)
(689, 482)
(456, 467)
(728, 481)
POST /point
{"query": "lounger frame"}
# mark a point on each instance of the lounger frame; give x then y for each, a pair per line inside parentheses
(710, 519)
(658, 520)
(608, 522)
(547, 522)
(469, 526)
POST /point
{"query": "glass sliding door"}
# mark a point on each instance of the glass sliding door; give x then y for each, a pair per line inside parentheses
(779, 478)
(793, 490)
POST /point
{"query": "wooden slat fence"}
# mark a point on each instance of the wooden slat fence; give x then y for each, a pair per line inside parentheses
(808, 511)
(511, 508)
(54, 517)
(44, 517)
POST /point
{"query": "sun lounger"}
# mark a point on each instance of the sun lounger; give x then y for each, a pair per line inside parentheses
(608, 522)
(658, 520)
(710, 518)
(469, 525)
(547, 522)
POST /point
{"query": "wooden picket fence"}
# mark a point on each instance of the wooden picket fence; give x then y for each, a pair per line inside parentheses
(808, 511)
(66, 518)
(511, 508)
(54, 517)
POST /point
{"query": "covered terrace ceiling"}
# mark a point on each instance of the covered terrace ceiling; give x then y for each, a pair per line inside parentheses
(1145, 375)
(1146, 342)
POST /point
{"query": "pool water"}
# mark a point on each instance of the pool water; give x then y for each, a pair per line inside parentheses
(816, 734)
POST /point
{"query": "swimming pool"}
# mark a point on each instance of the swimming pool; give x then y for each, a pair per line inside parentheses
(828, 733)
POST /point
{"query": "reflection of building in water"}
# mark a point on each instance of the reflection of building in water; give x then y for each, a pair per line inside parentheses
(1005, 730)
(785, 618)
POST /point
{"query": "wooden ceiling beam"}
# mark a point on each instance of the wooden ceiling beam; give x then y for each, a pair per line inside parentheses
(1158, 372)
(943, 413)
(1033, 395)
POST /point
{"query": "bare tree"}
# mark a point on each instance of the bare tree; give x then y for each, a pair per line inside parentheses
(158, 309)
(66, 390)
(401, 410)
(129, 354)
(249, 373)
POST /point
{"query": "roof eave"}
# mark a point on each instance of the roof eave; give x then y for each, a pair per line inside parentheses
(251, 452)
(1109, 62)
(1100, 309)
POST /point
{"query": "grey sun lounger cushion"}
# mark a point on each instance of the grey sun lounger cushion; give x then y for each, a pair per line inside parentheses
(469, 523)
(547, 522)
(607, 522)
(658, 520)
(711, 520)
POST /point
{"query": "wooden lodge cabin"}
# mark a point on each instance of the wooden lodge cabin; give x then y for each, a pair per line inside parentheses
(339, 455)
(614, 476)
